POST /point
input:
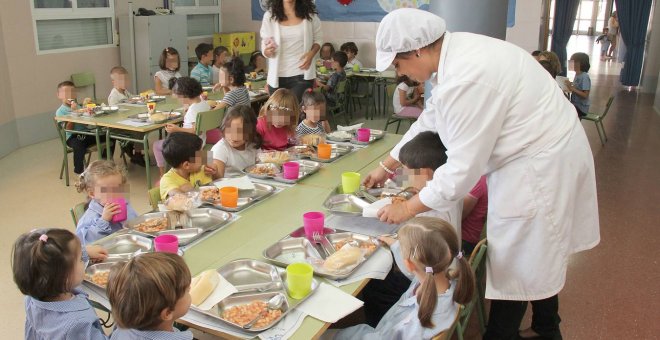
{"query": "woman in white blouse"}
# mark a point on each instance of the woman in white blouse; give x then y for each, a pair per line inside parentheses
(290, 39)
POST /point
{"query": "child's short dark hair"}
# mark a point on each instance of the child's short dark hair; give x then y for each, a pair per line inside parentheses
(162, 62)
(220, 50)
(180, 147)
(332, 48)
(202, 49)
(253, 58)
(340, 57)
(246, 113)
(536, 53)
(42, 262)
(424, 151)
(236, 70)
(349, 47)
(67, 83)
(186, 87)
(583, 59)
(140, 289)
(547, 65)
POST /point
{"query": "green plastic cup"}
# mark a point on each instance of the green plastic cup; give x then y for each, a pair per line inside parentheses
(350, 182)
(299, 279)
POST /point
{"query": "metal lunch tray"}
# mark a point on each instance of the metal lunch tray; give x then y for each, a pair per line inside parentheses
(246, 198)
(271, 165)
(391, 192)
(249, 275)
(188, 226)
(337, 152)
(125, 245)
(339, 203)
(307, 168)
(375, 135)
(335, 139)
(97, 268)
(185, 236)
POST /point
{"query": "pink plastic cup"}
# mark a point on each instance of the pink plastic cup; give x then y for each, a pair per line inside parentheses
(363, 135)
(121, 215)
(166, 244)
(313, 221)
(291, 170)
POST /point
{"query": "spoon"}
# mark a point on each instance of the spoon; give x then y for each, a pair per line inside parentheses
(273, 304)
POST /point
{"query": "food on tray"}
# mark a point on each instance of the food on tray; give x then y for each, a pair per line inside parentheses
(343, 258)
(264, 170)
(274, 157)
(311, 139)
(152, 225)
(305, 151)
(159, 116)
(340, 135)
(242, 314)
(99, 278)
(253, 75)
(203, 285)
(180, 202)
(210, 194)
(369, 247)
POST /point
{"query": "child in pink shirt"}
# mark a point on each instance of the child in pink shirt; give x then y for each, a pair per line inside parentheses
(475, 208)
(278, 119)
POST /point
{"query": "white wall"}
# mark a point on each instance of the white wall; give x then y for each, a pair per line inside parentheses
(525, 32)
(649, 80)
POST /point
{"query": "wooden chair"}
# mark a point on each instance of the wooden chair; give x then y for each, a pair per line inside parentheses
(208, 120)
(66, 150)
(84, 79)
(77, 211)
(154, 197)
(598, 120)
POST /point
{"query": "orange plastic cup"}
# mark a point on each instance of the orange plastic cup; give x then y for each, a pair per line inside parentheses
(324, 151)
(151, 106)
(229, 197)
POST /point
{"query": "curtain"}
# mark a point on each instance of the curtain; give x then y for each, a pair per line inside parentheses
(633, 21)
(562, 29)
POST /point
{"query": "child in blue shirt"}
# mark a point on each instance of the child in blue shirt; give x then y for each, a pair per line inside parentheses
(426, 248)
(47, 266)
(146, 308)
(103, 181)
(66, 93)
(581, 85)
(339, 60)
(202, 72)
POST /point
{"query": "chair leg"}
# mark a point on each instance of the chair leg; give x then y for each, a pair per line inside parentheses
(62, 167)
(600, 134)
(602, 127)
(66, 170)
(398, 125)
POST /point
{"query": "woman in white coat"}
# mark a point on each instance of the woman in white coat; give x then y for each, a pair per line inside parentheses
(500, 114)
(290, 39)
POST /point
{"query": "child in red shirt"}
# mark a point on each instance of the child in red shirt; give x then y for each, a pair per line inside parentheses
(278, 119)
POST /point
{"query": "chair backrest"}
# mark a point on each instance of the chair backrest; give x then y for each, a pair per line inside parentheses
(607, 107)
(209, 120)
(60, 126)
(77, 211)
(446, 334)
(154, 197)
(83, 79)
(390, 90)
(477, 259)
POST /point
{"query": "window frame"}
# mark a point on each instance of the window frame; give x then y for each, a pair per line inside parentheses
(73, 13)
(198, 9)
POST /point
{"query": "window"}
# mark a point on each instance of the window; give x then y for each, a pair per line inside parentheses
(64, 25)
(203, 16)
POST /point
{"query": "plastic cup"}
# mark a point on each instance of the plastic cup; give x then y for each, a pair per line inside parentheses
(291, 170)
(299, 279)
(350, 182)
(356, 68)
(121, 215)
(313, 221)
(151, 106)
(166, 244)
(363, 135)
(91, 105)
(324, 151)
(229, 197)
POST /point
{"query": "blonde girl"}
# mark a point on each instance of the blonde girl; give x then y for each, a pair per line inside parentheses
(278, 119)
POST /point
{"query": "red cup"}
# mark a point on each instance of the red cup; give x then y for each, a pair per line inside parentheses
(122, 214)
(363, 135)
(291, 170)
(166, 244)
(313, 221)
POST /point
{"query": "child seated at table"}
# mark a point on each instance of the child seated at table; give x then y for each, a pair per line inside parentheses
(48, 266)
(312, 117)
(407, 99)
(426, 249)
(66, 93)
(257, 63)
(119, 93)
(232, 82)
(187, 90)
(339, 60)
(278, 119)
(351, 51)
(202, 71)
(169, 64)
(220, 56)
(103, 181)
(238, 148)
(147, 295)
(325, 54)
(183, 152)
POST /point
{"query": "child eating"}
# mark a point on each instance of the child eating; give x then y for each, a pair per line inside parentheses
(325, 54)
(103, 182)
(169, 64)
(183, 152)
(147, 294)
(313, 121)
(339, 60)
(351, 51)
(119, 93)
(220, 54)
(232, 81)
(238, 148)
(277, 120)
(202, 71)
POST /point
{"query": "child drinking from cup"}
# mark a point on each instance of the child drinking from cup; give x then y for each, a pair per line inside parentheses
(147, 294)
(104, 183)
(202, 71)
(220, 55)
(313, 119)
(232, 82)
(339, 60)
(48, 265)
(238, 148)
(169, 64)
(183, 152)
(278, 119)
(424, 252)
(187, 91)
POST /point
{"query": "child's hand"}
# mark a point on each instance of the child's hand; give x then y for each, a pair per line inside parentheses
(387, 240)
(73, 105)
(569, 85)
(209, 170)
(171, 128)
(96, 253)
(110, 210)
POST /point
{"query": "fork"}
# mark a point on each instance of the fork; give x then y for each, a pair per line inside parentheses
(319, 239)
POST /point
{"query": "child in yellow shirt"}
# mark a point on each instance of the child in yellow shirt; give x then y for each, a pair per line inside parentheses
(183, 152)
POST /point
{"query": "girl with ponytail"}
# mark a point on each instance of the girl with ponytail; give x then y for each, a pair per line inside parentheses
(231, 79)
(426, 249)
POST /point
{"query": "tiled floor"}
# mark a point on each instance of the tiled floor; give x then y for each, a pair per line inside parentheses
(611, 292)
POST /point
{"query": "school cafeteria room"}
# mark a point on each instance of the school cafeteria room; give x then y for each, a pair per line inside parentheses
(330, 169)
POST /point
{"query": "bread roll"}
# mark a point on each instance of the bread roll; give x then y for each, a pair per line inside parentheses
(203, 285)
(343, 258)
(312, 139)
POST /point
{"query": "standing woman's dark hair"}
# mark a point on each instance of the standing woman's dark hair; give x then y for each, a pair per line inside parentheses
(236, 70)
(304, 9)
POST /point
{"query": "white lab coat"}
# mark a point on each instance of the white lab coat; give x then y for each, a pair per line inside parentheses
(499, 113)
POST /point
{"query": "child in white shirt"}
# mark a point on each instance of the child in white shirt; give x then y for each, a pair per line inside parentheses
(238, 148)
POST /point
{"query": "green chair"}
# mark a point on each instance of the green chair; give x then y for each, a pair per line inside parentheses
(77, 211)
(341, 104)
(598, 120)
(154, 197)
(390, 91)
(357, 96)
(478, 264)
(208, 120)
(84, 79)
(61, 132)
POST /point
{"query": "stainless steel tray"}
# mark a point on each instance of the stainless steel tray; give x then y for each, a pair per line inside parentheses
(249, 275)
(246, 198)
(337, 152)
(125, 245)
(185, 236)
(188, 226)
(375, 135)
(98, 268)
(172, 219)
(307, 168)
(271, 165)
(206, 218)
(339, 203)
